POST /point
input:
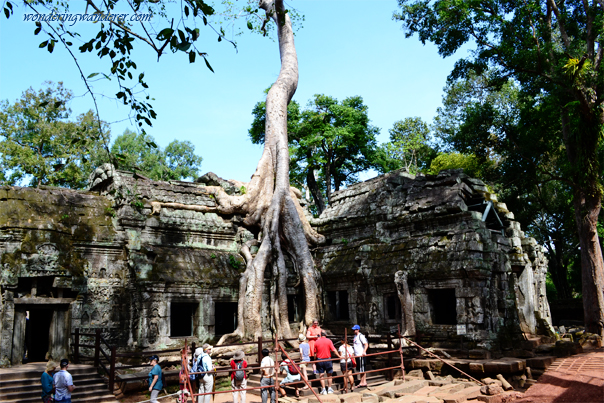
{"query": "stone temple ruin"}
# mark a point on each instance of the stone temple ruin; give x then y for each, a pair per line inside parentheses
(438, 255)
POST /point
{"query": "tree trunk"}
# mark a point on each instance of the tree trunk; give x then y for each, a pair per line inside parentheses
(272, 205)
(587, 209)
(314, 190)
(558, 269)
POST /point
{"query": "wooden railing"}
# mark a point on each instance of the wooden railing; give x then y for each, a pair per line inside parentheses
(105, 355)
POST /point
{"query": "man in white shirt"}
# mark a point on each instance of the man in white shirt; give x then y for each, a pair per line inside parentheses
(207, 380)
(267, 372)
(360, 346)
(63, 383)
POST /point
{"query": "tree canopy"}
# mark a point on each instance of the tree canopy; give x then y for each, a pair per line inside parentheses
(41, 145)
(553, 53)
(138, 151)
(330, 143)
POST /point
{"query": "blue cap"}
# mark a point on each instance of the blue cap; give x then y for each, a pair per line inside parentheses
(356, 327)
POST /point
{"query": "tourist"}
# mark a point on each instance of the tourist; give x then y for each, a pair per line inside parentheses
(267, 371)
(63, 383)
(360, 346)
(155, 381)
(239, 376)
(304, 357)
(347, 363)
(323, 348)
(293, 374)
(195, 368)
(47, 382)
(312, 334)
(207, 380)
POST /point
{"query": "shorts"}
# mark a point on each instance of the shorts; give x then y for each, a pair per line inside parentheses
(343, 366)
(324, 365)
(361, 363)
(290, 378)
(302, 365)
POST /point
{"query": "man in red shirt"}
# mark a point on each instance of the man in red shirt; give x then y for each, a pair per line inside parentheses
(323, 348)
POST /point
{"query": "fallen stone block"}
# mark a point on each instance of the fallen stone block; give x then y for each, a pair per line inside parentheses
(418, 373)
(430, 375)
(407, 387)
(477, 367)
(491, 390)
(540, 362)
(506, 385)
(490, 399)
(417, 399)
(451, 388)
(467, 394)
(426, 390)
(439, 382)
(369, 398)
(351, 398)
(326, 399)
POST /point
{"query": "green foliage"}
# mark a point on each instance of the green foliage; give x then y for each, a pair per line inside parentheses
(41, 145)
(235, 264)
(454, 160)
(408, 147)
(138, 151)
(242, 190)
(213, 256)
(331, 142)
(110, 211)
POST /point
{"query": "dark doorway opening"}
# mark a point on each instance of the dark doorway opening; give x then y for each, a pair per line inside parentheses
(392, 307)
(37, 333)
(182, 318)
(225, 317)
(295, 308)
(443, 306)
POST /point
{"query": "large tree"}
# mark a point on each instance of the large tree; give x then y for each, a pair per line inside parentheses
(138, 151)
(270, 206)
(40, 144)
(553, 51)
(331, 142)
(409, 147)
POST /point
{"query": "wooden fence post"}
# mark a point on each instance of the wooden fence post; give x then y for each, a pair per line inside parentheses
(259, 351)
(112, 369)
(391, 371)
(97, 347)
(76, 346)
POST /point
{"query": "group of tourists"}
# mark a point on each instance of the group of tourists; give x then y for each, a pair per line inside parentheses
(57, 386)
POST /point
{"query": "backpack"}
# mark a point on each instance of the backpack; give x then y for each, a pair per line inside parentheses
(293, 370)
(197, 367)
(240, 373)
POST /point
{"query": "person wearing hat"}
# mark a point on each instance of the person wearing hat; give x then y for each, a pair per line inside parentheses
(47, 382)
(304, 357)
(155, 383)
(63, 383)
(239, 375)
(207, 380)
(360, 345)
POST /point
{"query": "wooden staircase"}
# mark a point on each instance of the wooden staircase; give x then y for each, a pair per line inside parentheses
(21, 384)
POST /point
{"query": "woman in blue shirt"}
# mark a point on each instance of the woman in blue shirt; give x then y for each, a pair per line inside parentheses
(155, 384)
(47, 382)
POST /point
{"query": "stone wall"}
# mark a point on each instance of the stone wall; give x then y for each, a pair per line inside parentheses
(119, 258)
(465, 260)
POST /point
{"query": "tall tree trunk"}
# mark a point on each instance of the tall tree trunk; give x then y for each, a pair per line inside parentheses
(314, 190)
(587, 209)
(558, 268)
(272, 205)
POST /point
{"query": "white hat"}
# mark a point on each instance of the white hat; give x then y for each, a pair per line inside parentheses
(198, 351)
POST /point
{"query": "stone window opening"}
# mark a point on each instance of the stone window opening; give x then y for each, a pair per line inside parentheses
(337, 302)
(182, 318)
(443, 306)
(392, 307)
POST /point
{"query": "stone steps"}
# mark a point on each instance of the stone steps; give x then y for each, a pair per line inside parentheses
(21, 384)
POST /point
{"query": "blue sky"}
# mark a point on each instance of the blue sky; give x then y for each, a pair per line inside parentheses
(345, 48)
